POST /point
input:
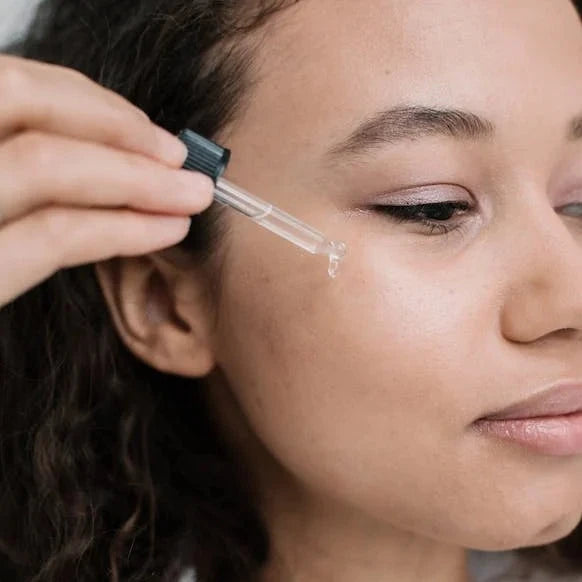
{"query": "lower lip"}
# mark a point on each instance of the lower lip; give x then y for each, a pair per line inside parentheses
(549, 435)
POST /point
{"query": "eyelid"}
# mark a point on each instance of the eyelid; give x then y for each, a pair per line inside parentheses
(571, 196)
(425, 194)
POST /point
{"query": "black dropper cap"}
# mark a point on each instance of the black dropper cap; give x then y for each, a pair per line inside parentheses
(204, 155)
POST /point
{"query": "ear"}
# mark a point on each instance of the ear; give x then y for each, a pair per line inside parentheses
(162, 311)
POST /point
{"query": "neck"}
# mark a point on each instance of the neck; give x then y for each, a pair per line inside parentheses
(317, 541)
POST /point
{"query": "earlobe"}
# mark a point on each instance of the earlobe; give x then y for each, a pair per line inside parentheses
(145, 299)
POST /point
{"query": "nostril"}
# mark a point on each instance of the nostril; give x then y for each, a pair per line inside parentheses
(570, 331)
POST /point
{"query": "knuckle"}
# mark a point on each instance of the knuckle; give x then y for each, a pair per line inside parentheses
(55, 226)
(140, 175)
(73, 74)
(117, 126)
(54, 222)
(35, 148)
(123, 125)
(14, 79)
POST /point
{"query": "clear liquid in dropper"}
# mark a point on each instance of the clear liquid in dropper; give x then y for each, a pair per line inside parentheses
(281, 223)
(335, 257)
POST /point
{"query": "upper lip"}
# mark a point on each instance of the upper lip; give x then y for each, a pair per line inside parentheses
(559, 399)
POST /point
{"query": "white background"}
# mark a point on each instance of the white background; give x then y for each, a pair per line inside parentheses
(14, 15)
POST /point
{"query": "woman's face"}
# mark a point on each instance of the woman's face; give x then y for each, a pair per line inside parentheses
(365, 388)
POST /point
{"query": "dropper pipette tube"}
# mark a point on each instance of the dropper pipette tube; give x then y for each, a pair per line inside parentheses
(210, 158)
(274, 219)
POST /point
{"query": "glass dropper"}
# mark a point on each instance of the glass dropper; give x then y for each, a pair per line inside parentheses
(211, 159)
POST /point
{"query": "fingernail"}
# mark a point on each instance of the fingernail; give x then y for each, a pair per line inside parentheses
(172, 150)
(172, 229)
(196, 185)
(142, 113)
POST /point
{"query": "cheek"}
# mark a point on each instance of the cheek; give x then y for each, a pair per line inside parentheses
(363, 388)
(334, 370)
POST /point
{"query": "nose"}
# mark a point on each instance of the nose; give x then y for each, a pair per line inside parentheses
(544, 293)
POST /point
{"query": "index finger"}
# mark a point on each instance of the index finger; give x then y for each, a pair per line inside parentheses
(58, 100)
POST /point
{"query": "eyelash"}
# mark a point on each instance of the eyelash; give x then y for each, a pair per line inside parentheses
(413, 213)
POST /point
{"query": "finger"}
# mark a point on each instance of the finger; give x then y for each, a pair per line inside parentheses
(59, 100)
(34, 248)
(39, 169)
(48, 71)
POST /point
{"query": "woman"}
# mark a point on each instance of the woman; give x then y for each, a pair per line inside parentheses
(211, 404)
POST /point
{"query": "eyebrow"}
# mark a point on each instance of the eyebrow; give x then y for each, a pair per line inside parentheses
(409, 123)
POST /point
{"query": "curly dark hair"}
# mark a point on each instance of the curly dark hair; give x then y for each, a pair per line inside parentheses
(110, 470)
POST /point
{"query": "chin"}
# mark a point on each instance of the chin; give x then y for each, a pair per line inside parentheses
(523, 535)
(556, 530)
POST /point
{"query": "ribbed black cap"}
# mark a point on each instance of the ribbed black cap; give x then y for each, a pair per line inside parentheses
(204, 155)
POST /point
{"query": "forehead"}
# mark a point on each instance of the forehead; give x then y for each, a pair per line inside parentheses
(324, 66)
(327, 61)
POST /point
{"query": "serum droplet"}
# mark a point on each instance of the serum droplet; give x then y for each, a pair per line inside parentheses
(335, 258)
(333, 266)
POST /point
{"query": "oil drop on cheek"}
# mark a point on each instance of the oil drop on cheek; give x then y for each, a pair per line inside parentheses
(336, 255)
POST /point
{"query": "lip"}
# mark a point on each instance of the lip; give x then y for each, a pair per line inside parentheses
(551, 435)
(560, 399)
(549, 422)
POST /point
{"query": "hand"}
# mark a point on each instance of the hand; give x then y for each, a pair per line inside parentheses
(84, 176)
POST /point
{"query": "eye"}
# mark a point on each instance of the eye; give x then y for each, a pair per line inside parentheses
(436, 217)
(574, 210)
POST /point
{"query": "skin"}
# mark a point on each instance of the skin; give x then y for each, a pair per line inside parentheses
(352, 401)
